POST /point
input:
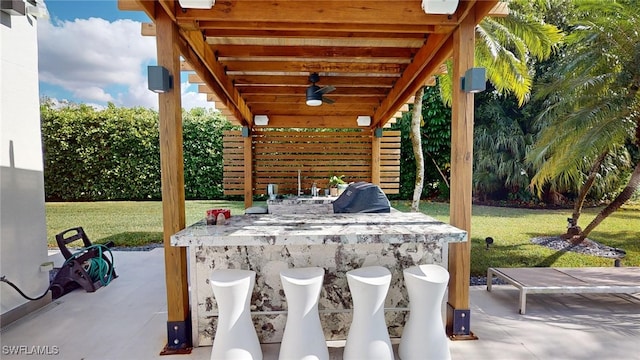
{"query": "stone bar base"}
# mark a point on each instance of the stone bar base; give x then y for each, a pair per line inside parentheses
(268, 303)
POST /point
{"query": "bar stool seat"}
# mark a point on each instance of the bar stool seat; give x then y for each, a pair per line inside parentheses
(368, 336)
(424, 336)
(236, 336)
(303, 338)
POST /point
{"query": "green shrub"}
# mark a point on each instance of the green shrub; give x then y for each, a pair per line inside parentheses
(113, 154)
(202, 143)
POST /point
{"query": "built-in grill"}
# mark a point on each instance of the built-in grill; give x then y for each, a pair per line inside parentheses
(362, 197)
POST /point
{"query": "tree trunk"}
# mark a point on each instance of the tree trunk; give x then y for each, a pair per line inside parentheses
(625, 195)
(584, 189)
(416, 141)
(444, 178)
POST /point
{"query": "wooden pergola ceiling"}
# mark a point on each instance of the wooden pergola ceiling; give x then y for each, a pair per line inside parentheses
(254, 57)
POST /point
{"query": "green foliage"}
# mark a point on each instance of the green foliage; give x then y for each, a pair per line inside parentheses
(335, 180)
(591, 98)
(502, 138)
(99, 155)
(202, 143)
(113, 154)
(512, 230)
(436, 145)
(508, 47)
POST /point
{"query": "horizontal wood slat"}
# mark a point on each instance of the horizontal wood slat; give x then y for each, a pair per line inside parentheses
(278, 155)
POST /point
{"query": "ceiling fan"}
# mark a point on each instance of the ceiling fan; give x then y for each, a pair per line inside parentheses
(315, 93)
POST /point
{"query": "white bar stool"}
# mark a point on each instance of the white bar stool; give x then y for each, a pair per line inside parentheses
(303, 338)
(368, 336)
(424, 336)
(236, 336)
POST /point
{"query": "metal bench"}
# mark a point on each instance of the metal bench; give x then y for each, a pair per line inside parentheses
(567, 280)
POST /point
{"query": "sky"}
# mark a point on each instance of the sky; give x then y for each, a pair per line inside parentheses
(90, 52)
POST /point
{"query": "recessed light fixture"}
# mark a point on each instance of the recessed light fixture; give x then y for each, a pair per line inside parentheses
(446, 7)
(364, 120)
(196, 4)
(261, 120)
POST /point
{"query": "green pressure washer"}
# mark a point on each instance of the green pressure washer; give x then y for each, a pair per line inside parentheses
(89, 267)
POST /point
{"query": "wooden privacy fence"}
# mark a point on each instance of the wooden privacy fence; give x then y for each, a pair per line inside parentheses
(277, 156)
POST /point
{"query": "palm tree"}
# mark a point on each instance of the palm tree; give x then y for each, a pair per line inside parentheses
(593, 103)
(507, 47)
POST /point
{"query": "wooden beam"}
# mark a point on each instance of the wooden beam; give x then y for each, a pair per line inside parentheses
(303, 80)
(221, 81)
(217, 29)
(501, 9)
(461, 171)
(414, 76)
(322, 121)
(313, 66)
(313, 51)
(148, 29)
(186, 66)
(301, 99)
(172, 177)
(303, 109)
(375, 158)
(320, 12)
(290, 90)
(248, 172)
(257, 26)
(138, 5)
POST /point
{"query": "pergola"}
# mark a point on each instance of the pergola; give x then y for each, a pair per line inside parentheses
(255, 58)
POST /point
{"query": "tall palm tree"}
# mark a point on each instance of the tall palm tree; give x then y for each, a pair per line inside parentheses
(508, 46)
(593, 103)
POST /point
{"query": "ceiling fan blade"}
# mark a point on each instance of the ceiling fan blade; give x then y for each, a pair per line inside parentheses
(327, 100)
(327, 89)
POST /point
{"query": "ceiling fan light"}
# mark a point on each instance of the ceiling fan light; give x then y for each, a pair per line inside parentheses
(314, 97)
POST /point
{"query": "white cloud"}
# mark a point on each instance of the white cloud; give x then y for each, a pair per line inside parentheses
(192, 99)
(100, 61)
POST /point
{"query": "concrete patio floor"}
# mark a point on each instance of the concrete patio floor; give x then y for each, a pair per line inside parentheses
(127, 320)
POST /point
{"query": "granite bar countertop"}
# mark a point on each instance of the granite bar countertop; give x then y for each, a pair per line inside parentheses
(309, 229)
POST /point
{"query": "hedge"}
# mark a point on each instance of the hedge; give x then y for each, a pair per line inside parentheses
(113, 153)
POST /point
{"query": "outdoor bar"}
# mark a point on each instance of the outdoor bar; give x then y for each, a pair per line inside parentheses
(259, 61)
(270, 243)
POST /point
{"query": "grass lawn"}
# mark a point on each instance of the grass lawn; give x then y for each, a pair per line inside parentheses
(126, 223)
(138, 223)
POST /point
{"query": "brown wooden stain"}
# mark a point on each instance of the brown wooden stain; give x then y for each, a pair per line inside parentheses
(278, 155)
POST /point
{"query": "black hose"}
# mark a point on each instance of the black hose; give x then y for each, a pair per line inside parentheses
(4, 279)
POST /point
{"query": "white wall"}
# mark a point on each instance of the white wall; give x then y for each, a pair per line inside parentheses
(23, 242)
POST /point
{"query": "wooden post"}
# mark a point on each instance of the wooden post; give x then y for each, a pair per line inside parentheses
(375, 158)
(248, 171)
(461, 180)
(172, 177)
